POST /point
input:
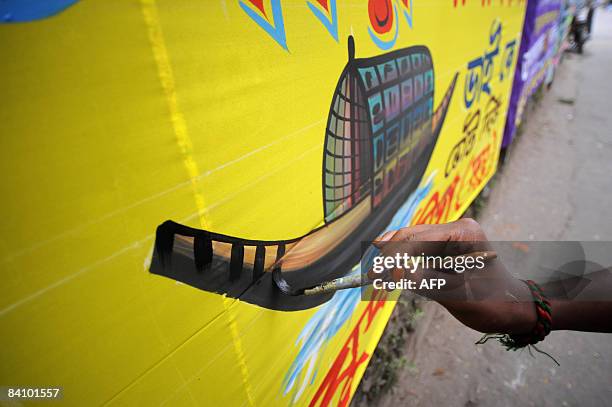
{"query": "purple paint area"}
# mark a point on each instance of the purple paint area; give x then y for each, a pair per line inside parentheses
(536, 51)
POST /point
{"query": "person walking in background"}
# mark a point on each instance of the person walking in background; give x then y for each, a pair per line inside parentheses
(591, 6)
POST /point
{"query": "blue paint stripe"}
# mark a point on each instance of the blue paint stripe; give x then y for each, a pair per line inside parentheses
(330, 25)
(277, 32)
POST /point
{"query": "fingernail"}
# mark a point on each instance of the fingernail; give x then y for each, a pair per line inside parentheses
(387, 236)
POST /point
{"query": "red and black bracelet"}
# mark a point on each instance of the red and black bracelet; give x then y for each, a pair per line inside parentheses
(544, 320)
(540, 330)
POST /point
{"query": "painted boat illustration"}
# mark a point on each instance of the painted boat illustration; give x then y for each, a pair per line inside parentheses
(380, 134)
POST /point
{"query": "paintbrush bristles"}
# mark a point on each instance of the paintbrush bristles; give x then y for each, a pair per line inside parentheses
(339, 284)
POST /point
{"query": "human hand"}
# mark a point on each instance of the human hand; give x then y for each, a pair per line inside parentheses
(488, 300)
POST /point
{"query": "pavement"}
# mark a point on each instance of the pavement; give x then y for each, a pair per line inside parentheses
(555, 185)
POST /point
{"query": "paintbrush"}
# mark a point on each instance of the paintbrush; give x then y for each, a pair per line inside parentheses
(360, 280)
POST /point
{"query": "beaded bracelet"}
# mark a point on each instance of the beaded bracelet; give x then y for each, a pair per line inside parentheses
(538, 333)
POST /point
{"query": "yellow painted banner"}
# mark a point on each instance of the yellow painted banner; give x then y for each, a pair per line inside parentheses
(175, 173)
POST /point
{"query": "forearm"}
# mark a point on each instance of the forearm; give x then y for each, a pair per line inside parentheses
(519, 317)
(589, 309)
(576, 315)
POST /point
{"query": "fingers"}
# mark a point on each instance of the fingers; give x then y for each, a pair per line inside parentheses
(464, 236)
(455, 238)
(464, 229)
